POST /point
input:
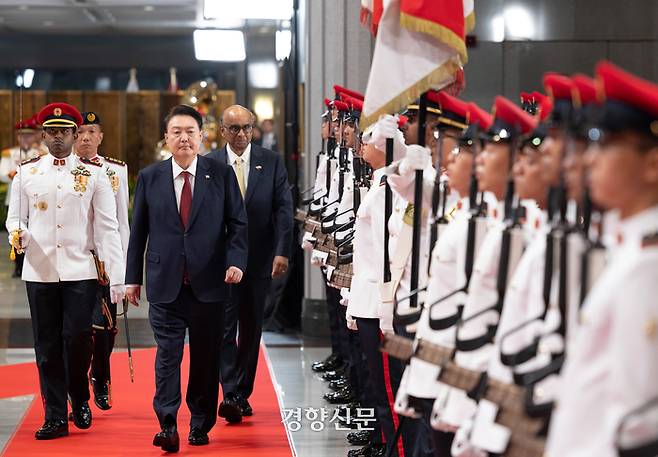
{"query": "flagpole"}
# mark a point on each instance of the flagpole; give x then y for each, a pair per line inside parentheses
(418, 206)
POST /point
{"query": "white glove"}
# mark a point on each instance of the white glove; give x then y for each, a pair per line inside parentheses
(461, 446)
(387, 126)
(351, 322)
(24, 238)
(344, 296)
(417, 158)
(117, 293)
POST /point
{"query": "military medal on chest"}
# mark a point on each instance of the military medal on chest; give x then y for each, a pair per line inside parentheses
(81, 178)
(114, 179)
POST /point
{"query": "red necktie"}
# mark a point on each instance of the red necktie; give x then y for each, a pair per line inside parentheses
(185, 207)
(186, 199)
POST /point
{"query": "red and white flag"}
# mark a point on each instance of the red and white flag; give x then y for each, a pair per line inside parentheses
(420, 46)
(371, 14)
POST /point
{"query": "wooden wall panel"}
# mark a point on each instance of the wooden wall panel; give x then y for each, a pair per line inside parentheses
(111, 107)
(143, 129)
(33, 101)
(6, 120)
(72, 97)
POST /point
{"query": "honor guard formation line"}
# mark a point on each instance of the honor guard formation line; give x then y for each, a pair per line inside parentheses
(491, 275)
(490, 272)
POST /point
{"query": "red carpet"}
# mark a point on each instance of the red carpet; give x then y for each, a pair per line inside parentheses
(128, 428)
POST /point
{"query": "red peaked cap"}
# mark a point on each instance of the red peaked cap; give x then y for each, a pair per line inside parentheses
(630, 102)
(477, 115)
(59, 115)
(354, 103)
(433, 105)
(350, 93)
(544, 105)
(560, 88)
(585, 89)
(453, 111)
(337, 104)
(28, 124)
(509, 120)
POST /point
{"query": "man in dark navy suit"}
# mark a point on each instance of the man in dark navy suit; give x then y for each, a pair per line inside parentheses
(190, 211)
(263, 182)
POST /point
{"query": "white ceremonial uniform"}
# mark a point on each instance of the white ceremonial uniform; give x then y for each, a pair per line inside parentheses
(117, 174)
(523, 302)
(613, 364)
(446, 276)
(9, 162)
(64, 217)
(482, 293)
(368, 257)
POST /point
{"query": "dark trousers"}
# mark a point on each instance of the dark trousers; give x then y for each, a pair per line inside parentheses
(378, 377)
(169, 322)
(415, 432)
(61, 323)
(441, 441)
(104, 331)
(335, 331)
(244, 318)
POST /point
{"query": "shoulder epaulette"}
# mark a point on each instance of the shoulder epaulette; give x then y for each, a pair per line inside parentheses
(89, 162)
(32, 160)
(115, 161)
(6, 152)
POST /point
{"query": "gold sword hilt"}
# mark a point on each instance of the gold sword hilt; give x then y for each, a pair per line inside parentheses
(15, 244)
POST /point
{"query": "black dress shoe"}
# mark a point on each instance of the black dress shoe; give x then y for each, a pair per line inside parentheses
(81, 415)
(345, 395)
(334, 374)
(245, 407)
(101, 394)
(339, 384)
(359, 438)
(51, 429)
(330, 363)
(369, 450)
(230, 408)
(197, 437)
(167, 439)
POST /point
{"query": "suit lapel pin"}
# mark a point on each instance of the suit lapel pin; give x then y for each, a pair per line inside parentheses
(259, 167)
(207, 176)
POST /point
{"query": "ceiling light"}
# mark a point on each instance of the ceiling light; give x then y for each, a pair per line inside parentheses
(263, 75)
(149, 8)
(248, 9)
(28, 77)
(283, 42)
(519, 22)
(219, 45)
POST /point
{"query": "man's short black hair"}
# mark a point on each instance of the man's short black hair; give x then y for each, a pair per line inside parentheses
(184, 110)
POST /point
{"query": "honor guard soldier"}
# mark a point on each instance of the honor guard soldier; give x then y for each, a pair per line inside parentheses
(27, 133)
(90, 136)
(62, 207)
(601, 381)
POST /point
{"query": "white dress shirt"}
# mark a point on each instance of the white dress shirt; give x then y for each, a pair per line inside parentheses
(246, 159)
(179, 180)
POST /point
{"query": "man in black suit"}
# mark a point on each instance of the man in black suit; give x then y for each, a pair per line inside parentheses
(263, 182)
(190, 211)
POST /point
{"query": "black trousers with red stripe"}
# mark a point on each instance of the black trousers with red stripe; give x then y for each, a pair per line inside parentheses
(379, 379)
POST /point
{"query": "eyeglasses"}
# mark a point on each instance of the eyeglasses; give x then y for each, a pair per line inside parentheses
(53, 131)
(235, 129)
